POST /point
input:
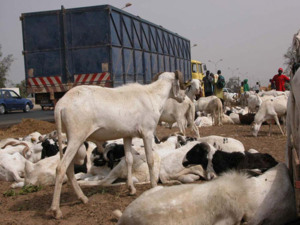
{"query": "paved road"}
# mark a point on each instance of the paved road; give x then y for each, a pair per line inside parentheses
(16, 117)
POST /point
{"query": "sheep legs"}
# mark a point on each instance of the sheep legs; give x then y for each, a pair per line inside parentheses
(60, 173)
(129, 162)
(278, 124)
(149, 155)
(74, 183)
(196, 130)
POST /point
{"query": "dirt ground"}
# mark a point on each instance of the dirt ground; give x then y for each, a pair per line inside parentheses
(32, 208)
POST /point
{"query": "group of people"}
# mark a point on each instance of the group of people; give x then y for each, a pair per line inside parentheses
(276, 83)
(244, 86)
(214, 84)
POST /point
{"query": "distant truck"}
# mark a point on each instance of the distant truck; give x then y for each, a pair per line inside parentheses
(98, 45)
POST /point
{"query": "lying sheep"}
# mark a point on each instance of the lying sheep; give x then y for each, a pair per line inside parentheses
(168, 166)
(230, 199)
(44, 171)
(227, 144)
(12, 167)
(30, 151)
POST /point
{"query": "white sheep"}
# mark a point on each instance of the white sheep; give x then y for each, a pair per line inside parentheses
(229, 199)
(140, 171)
(167, 163)
(235, 118)
(193, 89)
(12, 167)
(254, 102)
(3, 142)
(30, 151)
(183, 113)
(226, 144)
(270, 110)
(43, 171)
(33, 137)
(171, 168)
(203, 121)
(211, 105)
(100, 114)
(293, 118)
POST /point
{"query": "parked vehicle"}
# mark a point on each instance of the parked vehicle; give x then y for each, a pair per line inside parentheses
(98, 45)
(10, 100)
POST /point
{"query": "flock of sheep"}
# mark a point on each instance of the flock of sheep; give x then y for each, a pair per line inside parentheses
(88, 116)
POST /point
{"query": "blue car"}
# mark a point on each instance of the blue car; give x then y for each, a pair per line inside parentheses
(10, 100)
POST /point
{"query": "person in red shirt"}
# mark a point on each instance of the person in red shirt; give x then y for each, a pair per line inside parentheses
(280, 80)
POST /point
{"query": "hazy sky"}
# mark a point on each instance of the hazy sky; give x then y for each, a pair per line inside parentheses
(250, 37)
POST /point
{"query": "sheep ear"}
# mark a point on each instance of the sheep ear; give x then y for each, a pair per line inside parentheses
(179, 77)
(175, 88)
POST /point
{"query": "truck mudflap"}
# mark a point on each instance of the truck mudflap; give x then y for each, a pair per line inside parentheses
(102, 79)
(54, 84)
(45, 84)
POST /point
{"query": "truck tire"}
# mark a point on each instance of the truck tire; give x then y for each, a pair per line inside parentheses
(2, 109)
(27, 108)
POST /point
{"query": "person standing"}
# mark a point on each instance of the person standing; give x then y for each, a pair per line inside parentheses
(242, 88)
(272, 85)
(280, 80)
(246, 85)
(219, 85)
(256, 87)
(208, 81)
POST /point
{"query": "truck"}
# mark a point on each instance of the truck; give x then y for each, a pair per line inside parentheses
(96, 45)
(198, 69)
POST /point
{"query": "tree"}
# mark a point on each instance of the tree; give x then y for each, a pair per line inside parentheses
(22, 88)
(290, 58)
(233, 83)
(4, 67)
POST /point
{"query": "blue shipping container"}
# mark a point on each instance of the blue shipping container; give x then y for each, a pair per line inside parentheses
(99, 45)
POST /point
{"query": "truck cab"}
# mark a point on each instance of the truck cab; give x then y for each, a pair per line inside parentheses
(198, 69)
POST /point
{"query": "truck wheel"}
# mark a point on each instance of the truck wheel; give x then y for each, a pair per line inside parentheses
(27, 108)
(2, 109)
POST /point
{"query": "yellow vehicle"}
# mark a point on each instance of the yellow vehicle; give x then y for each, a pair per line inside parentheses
(198, 70)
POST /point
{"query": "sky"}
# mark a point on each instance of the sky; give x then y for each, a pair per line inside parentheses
(241, 38)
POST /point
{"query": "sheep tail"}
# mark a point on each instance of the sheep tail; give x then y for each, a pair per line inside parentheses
(117, 213)
(59, 131)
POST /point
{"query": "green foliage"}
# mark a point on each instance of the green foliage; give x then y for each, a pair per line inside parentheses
(5, 64)
(101, 190)
(25, 190)
(9, 193)
(29, 189)
(22, 87)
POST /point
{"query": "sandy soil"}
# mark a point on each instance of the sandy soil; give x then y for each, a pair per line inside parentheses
(32, 208)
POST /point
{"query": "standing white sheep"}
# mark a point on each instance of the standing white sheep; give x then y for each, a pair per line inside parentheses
(100, 114)
(271, 109)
